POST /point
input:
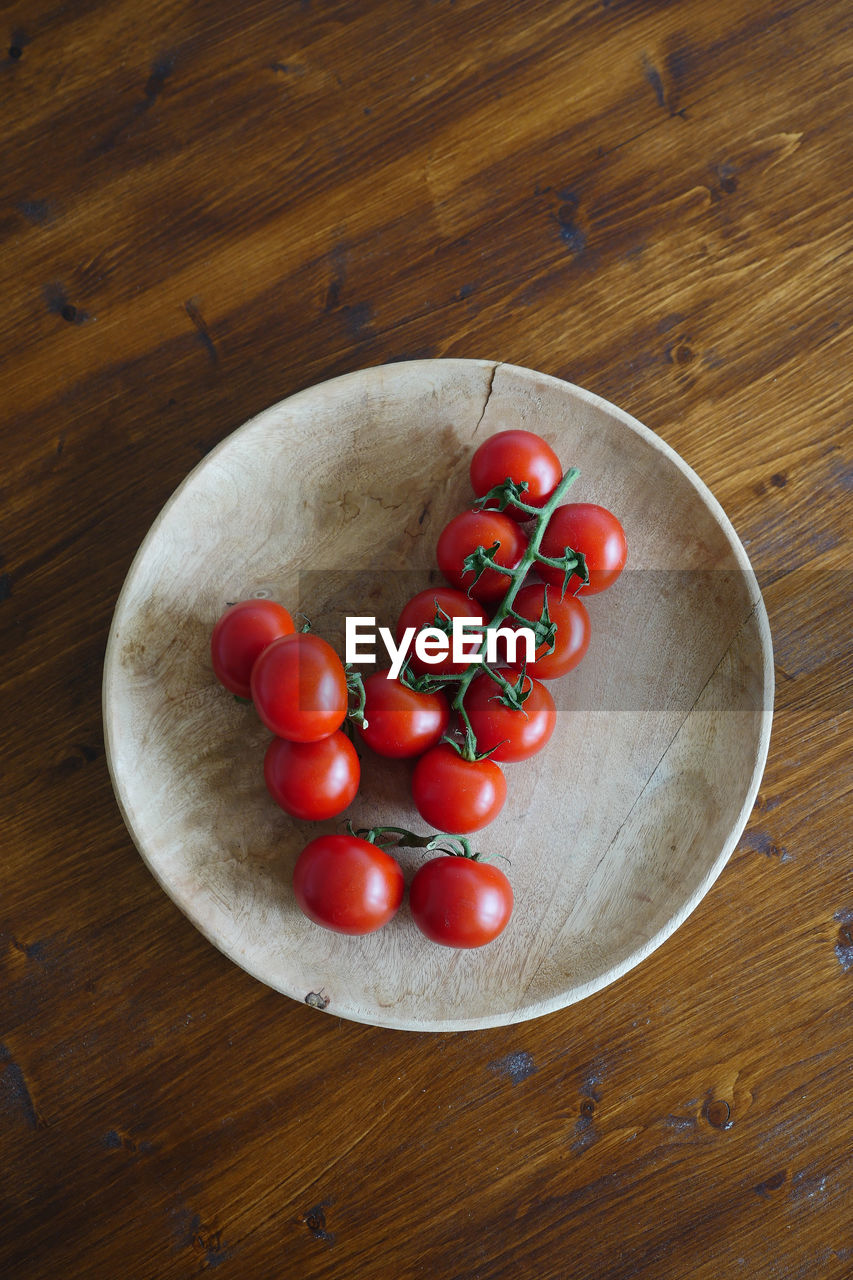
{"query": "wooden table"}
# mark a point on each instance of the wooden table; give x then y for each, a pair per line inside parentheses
(206, 207)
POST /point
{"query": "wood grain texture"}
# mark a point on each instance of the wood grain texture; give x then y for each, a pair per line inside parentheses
(206, 208)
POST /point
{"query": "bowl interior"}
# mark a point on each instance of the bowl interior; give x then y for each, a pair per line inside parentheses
(332, 502)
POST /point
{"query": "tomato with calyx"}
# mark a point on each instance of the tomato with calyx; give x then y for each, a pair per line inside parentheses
(312, 780)
(454, 794)
(400, 722)
(240, 637)
(519, 456)
(506, 733)
(347, 884)
(462, 536)
(421, 611)
(460, 902)
(299, 688)
(571, 639)
(597, 534)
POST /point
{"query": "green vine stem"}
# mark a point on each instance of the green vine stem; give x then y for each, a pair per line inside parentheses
(355, 685)
(482, 559)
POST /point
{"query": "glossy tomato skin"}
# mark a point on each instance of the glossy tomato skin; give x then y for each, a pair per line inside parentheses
(401, 722)
(573, 630)
(463, 535)
(420, 612)
(509, 734)
(518, 456)
(239, 638)
(460, 902)
(593, 530)
(312, 780)
(346, 884)
(452, 794)
(299, 688)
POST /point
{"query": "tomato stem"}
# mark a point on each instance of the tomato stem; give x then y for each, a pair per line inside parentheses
(481, 559)
(470, 749)
(505, 609)
(355, 684)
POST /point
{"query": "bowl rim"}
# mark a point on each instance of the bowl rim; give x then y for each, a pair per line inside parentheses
(571, 994)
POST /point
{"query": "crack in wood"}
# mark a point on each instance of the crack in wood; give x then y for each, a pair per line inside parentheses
(489, 389)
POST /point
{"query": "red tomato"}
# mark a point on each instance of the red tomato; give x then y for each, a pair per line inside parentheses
(474, 529)
(421, 611)
(299, 688)
(513, 734)
(460, 902)
(571, 640)
(312, 780)
(518, 456)
(401, 722)
(241, 635)
(457, 795)
(595, 532)
(347, 884)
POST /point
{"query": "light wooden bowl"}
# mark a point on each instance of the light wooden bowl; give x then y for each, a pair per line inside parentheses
(332, 502)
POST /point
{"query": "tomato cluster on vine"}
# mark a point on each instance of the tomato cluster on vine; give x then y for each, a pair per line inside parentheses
(518, 558)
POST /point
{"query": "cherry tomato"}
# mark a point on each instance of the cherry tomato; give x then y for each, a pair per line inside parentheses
(299, 688)
(452, 794)
(514, 734)
(518, 456)
(401, 722)
(597, 533)
(312, 780)
(460, 902)
(421, 612)
(347, 884)
(241, 635)
(571, 640)
(463, 535)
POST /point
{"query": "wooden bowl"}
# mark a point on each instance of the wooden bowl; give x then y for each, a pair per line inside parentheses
(332, 502)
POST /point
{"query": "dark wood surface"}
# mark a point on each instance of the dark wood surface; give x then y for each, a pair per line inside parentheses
(206, 207)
